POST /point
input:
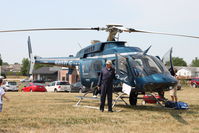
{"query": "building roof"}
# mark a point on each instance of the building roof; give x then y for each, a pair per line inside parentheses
(192, 69)
(46, 70)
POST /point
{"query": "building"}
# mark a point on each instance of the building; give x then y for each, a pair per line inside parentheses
(12, 68)
(49, 74)
(187, 72)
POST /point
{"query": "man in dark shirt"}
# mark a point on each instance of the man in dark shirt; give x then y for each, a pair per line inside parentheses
(105, 84)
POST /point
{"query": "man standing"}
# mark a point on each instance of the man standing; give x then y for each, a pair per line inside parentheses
(2, 95)
(105, 83)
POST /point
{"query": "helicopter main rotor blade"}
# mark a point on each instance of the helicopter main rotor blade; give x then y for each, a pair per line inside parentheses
(112, 30)
(133, 30)
(50, 29)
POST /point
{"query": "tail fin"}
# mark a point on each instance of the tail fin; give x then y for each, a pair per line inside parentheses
(31, 57)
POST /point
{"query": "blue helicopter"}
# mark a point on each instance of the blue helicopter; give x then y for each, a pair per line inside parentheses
(134, 67)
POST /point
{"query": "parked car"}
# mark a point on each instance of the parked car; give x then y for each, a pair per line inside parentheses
(195, 82)
(77, 87)
(34, 87)
(39, 81)
(2, 77)
(58, 86)
(10, 86)
(24, 80)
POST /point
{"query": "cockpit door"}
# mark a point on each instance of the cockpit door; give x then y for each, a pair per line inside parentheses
(167, 60)
(123, 70)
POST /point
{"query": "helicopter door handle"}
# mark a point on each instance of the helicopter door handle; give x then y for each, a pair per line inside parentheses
(87, 80)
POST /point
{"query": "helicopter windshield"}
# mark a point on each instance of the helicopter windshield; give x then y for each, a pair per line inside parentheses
(146, 65)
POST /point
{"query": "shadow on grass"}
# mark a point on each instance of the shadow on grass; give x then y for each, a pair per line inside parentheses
(60, 100)
(176, 114)
(194, 107)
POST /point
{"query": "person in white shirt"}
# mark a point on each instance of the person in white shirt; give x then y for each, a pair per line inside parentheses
(2, 95)
(173, 90)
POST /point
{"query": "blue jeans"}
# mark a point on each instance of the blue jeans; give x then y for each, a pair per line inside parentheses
(1, 107)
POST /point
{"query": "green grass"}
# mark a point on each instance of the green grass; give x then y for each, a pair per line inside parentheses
(55, 113)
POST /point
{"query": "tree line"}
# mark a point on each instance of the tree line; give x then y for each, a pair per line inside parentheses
(180, 62)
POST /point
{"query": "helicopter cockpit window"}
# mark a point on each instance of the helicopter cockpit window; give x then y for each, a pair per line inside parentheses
(139, 62)
(160, 64)
(97, 65)
(122, 66)
(146, 65)
(151, 66)
(113, 63)
(86, 67)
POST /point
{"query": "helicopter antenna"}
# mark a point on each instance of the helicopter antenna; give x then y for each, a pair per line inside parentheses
(79, 45)
(145, 52)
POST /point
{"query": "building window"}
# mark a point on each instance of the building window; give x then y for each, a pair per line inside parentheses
(63, 78)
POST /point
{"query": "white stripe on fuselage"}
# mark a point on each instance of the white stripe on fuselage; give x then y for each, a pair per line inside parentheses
(53, 59)
(113, 55)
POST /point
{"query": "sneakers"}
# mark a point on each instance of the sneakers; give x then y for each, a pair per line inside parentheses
(94, 96)
(101, 110)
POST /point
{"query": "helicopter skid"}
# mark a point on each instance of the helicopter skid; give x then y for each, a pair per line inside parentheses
(92, 107)
(117, 99)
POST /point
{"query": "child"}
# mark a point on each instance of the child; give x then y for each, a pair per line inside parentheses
(2, 95)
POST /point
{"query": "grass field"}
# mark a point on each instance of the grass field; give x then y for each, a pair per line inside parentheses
(55, 113)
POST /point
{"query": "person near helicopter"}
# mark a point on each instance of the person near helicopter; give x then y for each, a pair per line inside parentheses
(105, 85)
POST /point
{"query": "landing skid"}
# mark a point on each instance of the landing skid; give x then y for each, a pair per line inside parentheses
(96, 108)
(118, 98)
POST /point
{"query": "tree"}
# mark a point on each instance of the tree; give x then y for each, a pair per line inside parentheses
(25, 66)
(37, 66)
(178, 61)
(5, 63)
(195, 62)
(1, 61)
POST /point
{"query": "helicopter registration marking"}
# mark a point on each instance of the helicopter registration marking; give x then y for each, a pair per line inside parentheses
(121, 78)
(61, 62)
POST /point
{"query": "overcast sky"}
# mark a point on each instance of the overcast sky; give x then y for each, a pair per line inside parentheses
(171, 16)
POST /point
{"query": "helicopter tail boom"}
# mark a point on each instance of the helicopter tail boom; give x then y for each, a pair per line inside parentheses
(58, 61)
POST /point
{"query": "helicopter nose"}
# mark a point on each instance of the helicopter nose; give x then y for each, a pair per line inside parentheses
(159, 81)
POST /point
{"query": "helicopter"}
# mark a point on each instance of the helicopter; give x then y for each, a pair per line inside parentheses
(134, 67)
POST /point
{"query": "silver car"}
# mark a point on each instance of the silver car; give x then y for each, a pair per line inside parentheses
(10, 86)
(58, 86)
(78, 87)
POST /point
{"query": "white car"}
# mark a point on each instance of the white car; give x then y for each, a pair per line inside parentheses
(24, 80)
(10, 86)
(58, 86)
(2, 77)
